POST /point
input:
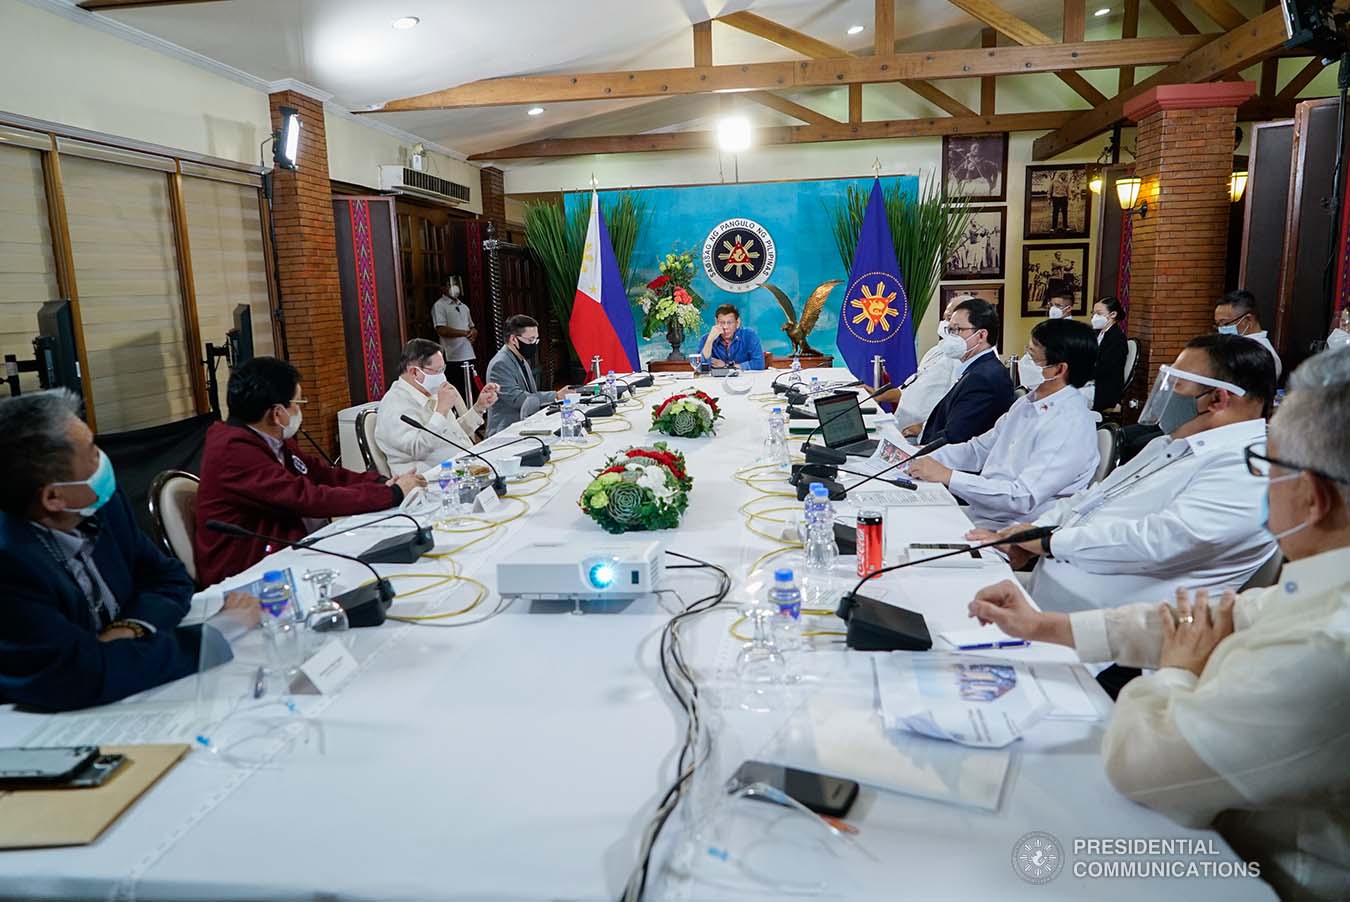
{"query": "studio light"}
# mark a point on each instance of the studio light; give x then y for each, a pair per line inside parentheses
(535, 111)
(1237, 184)
(1127, 192)
(286, 143)
(403, 23)
(1104, 11)
(855, 29)
(733, 134)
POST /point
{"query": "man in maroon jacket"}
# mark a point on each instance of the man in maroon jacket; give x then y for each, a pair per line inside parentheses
(254, 474)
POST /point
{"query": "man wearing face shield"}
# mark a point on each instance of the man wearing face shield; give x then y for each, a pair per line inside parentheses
(89, 607)
(1243, 726)
(1180, 512)
(255, 475)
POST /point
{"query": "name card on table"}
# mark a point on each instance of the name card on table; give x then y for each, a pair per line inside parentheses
(329, 667)
(486, 501)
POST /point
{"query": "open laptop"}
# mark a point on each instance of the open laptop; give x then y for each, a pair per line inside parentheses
(841, 424)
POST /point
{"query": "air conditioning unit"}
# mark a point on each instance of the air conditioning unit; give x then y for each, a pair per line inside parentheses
(402, 180)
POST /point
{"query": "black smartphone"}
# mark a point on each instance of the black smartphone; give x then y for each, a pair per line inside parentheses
(829, 796)
(28, 767)
(941, 547)
(96, 772)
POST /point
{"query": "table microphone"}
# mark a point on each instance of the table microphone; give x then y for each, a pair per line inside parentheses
(822, 453)
(401, 549)
(529, 458)
(498, 483)
(876, 626)
(365, 605)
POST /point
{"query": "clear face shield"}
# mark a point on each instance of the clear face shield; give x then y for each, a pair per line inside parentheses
(1172, 402)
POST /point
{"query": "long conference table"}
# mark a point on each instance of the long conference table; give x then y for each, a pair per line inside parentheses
(520, 751)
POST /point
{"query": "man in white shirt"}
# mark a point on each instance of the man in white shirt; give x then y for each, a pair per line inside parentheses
(1244, 726)
(454, 326)
(1235, 314)
(1181, 513)
(1042, 449)
(916, 398)
(422, 393)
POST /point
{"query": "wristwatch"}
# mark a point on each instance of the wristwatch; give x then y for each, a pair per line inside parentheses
(1045, 546)
(136, 628)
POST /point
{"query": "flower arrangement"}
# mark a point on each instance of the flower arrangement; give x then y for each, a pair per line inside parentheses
(669, 297)
(640, 488)
(687, 415)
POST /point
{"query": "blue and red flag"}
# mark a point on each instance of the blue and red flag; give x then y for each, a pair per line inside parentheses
(602, 321)
(875, 316)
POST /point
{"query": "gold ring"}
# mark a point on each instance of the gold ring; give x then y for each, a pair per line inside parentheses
(1189, 618)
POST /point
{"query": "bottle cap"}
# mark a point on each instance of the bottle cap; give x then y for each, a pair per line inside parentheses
(778, 410)
(274, 576)
(449, 462)
(812, 486)
(782, 576)
(820, 491)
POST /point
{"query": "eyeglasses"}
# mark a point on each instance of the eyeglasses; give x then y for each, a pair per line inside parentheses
(1237, 319)
(957, 330)
(526, 341)
(1258, 464)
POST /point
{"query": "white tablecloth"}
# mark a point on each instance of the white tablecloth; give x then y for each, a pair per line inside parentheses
(522, 757)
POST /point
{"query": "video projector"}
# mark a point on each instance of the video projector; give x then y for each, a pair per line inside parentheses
(565, 571)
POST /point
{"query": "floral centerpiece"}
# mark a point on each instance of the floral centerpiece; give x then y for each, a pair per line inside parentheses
(687, 415)
(668, 302)
(640, 488)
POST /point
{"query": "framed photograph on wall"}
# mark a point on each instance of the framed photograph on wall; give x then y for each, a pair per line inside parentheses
(979, 253)
(985, 291)
(975, 167)
(1058, 202)
(1051, 269)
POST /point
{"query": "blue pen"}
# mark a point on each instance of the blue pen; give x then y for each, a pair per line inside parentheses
(1010, 643)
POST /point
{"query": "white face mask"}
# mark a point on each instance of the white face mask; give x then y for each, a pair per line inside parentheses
(291, 428)
(1056, 313)
(431, 382)
(1339, 338)
(1030, 373)
(953, 346)
(454, 291)
(1099, 322)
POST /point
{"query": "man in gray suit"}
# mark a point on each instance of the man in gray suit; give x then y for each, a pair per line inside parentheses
(512, 369)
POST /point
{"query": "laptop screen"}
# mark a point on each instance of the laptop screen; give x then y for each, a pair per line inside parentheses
(841, 419)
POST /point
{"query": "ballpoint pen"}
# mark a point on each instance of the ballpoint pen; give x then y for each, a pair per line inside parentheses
(1003, 643)
(260, 682)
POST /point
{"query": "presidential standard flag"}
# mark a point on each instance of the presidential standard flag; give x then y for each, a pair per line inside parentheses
(875, 316)
(602, 321)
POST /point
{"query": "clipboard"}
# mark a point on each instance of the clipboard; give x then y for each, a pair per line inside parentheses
(45, 818)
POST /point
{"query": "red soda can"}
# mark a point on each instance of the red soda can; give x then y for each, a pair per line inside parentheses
(871, 542)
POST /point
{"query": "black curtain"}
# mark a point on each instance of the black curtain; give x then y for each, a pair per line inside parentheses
(140, 455)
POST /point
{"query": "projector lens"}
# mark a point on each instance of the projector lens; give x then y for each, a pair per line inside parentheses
(602, 576)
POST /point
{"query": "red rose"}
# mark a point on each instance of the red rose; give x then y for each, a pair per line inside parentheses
(658, 283)
(662, 406)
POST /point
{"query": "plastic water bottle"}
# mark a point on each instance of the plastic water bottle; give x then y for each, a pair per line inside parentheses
(786, 599)
(820, 549)
(775, 443)
(570, 429)
(468, 486)
(611, 386)
(796, 365)
(280, 625)
(815, 386)
(448, 481)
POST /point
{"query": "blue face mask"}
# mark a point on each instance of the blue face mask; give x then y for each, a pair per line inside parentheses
(1265, 510)
(103, 484)
(1228, 330)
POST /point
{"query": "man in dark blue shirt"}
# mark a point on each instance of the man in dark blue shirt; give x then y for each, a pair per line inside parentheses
(728, 344)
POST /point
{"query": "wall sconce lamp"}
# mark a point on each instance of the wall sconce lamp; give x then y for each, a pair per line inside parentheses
(1095, 179)
(1237, 184)
(1127, 192)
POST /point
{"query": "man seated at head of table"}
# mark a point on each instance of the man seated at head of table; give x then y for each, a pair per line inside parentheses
(1181, 513)
(512, 370)
(1244, 724)
(1043, 449)
(731, 344)
(89, 607)
(254, 474)
(422, 392)
(982, 391)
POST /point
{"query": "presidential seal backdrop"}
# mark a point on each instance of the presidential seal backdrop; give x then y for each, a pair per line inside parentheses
(738, 255)
(875, 307)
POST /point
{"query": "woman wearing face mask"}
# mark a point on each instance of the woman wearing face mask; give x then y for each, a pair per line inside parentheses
(1243, 725)
(1108, 377)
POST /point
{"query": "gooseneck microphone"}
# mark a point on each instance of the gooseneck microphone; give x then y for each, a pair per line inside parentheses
(322, 453)
(498, 483)
(876, 626)
(365, 605)
(829, 455)
(530, 458)
(401, 549)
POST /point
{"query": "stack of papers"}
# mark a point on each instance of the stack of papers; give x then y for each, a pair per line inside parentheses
(966, 699)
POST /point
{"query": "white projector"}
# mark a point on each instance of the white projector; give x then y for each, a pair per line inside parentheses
(558, 570)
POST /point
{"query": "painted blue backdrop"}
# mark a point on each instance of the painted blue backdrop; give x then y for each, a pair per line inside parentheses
(796, 214)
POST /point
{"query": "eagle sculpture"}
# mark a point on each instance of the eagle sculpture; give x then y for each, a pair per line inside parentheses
(798, 329)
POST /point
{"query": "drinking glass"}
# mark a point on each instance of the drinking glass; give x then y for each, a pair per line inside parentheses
(761, 669)
(326, 620)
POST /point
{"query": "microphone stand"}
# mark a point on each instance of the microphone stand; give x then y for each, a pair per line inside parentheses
(530, 458)
(365, 605)
(498, 483)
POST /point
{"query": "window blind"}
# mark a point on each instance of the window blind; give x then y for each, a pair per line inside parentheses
(27, 265)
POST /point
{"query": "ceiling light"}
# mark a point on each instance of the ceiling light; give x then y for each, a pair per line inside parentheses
(535, 111)
(733, 134)
(403, 23)
(855, 29)
(1104, 11)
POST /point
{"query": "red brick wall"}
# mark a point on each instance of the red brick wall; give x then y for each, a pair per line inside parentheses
(494, 198)
(1184, 158)
(302, 203)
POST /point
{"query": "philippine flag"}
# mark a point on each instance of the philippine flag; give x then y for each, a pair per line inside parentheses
(602, 321)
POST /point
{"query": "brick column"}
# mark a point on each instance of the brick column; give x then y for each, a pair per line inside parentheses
(306, 249)
(494, 198)
(1184, 156)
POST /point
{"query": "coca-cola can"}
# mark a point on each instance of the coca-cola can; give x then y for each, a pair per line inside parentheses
(871, 542)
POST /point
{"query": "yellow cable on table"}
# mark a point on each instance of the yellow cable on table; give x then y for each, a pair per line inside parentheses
(744, 638)
(481, 594)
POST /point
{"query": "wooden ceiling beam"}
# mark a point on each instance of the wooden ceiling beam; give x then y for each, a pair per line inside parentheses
(789, 108)
(1075, 21)
(1301, 79)
(1232, 52)
(783, 36)
(988, 84)
(95, 6)
(1023, 33)
(803, 134)
(703, 54)
(1175, 17)
(855, 104)
(1129, 28)
(925, 65)
(883, 32)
